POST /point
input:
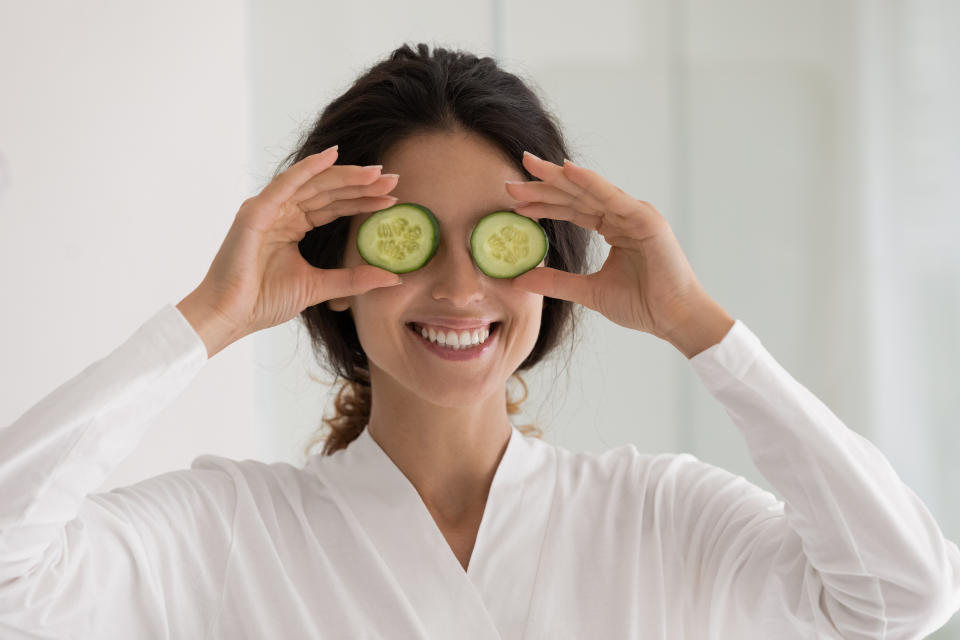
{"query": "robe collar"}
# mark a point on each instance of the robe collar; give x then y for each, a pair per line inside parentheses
(490, 598)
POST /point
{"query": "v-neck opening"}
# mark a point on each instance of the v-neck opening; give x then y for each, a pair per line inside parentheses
(494, 484)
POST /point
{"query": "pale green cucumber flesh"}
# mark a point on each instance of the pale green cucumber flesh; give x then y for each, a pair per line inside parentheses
(400, 238)
(506, 244)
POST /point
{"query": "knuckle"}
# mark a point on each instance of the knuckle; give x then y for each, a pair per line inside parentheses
(321, 201)
(581, 195)
(333, 210)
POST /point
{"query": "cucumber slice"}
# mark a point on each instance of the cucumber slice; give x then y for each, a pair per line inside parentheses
(400, 238)
(506, 244)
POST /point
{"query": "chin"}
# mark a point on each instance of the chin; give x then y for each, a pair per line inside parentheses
(455, 396)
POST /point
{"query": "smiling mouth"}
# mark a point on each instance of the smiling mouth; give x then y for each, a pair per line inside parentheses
(494, 326)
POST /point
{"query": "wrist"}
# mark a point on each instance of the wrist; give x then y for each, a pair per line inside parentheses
(706, 325)
(212, 327)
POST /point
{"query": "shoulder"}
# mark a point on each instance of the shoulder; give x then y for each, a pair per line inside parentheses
(664, 480)
(623, 463)
(264, 482)
(243, 470)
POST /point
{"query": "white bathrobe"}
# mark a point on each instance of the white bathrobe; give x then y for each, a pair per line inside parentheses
(621, 544)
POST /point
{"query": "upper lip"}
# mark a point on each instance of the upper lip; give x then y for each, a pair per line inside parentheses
(455, 323)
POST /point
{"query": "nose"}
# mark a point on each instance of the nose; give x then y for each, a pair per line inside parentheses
(456, 277)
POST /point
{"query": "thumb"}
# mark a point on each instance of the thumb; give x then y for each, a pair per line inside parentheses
(350, 281)
(556, 283)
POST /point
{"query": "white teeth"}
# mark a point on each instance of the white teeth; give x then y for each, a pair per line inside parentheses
(454, 340)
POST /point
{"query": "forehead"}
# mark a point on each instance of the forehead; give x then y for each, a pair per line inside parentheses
(458, 175)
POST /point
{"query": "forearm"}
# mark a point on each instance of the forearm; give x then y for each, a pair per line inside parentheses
(705, 327)
(63, 447)
(861, 544)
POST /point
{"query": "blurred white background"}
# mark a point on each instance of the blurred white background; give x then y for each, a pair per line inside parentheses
(806, 154)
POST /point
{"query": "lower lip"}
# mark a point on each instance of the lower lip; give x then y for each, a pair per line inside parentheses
(457, 354)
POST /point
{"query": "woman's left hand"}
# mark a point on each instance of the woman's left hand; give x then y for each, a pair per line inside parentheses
(646, 283)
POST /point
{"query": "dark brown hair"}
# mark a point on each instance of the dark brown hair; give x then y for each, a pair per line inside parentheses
(412, 92)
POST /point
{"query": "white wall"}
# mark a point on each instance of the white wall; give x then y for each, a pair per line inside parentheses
(910, 95)
(124, 133)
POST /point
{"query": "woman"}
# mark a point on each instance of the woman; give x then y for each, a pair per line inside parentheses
(429, 515)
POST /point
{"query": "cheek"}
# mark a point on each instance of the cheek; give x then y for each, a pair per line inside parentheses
(379, 311)
(533, 314)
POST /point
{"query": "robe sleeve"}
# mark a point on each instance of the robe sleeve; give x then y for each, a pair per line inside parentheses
(849, 552)
(144, 561)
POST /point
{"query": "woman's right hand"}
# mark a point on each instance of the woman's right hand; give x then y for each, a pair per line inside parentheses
(258, 279)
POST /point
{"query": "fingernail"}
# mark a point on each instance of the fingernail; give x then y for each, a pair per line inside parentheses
(389, 175)
(527, 153)
(395, 283)
(374, 166)
(514, 181)
(333, 148)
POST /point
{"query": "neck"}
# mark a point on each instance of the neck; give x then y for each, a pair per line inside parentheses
(449, 454)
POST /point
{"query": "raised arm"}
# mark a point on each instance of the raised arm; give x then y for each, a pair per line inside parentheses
(850, 552)
(79, 565)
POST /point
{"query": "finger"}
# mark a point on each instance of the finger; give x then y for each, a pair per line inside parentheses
(611, 197)
(610, 227)
(554, 175)
(556, 283)
(348, 208)
(538, 210)
(546, 192)
(349, 281)
(380, 186)
(286, 184)
(627, 231)
(337, 177)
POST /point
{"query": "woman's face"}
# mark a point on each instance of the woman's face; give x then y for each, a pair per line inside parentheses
(460, 178)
